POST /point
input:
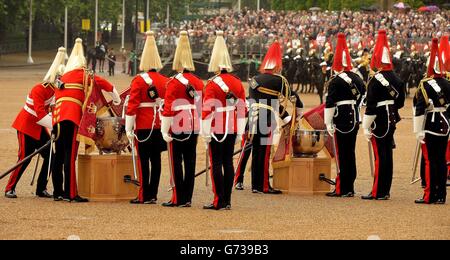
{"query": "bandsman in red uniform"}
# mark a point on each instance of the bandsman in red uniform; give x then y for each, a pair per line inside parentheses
(432, 128)
(223, 122)
(143, 123)
(71, 93)
(180, 123)
(33, 125)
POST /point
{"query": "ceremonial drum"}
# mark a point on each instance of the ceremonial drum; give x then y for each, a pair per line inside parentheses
(110, 135)
(308, 143)
(300, 175)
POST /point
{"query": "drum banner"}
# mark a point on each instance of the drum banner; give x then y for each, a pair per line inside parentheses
(117, 110)
(96, 102)
(283, 151)
(314, 119)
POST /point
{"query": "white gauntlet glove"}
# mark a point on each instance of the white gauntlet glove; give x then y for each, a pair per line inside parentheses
(367, 124)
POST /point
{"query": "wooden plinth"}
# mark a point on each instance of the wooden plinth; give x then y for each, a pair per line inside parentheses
(100, 178)
(301, 176)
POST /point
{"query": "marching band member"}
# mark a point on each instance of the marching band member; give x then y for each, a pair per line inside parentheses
(345, 92)
(72, 92)
(385, 96)
(146, 99)
(432, 128)
(33, 125)
(180, 123)
(265, 91)
(223, 122)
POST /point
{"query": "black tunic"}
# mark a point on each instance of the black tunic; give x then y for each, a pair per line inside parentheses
(347, 116)
(276, 84)
(437, 123)
(387, 116)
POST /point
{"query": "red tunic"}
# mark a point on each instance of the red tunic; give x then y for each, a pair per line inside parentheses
(215, 99)
(140, 103)
(36, 107)
(177, 97)
(70, 99)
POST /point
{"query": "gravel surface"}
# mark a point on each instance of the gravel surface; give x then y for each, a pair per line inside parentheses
(252, 217)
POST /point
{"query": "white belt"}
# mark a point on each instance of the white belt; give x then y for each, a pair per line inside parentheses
(225, 109)
(47, 102)
(29, 110)
(185, 107)
(386, 103)
(346, 102)
(148, 105)
(438, 110)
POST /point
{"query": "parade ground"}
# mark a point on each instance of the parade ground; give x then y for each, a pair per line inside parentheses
(252, 217)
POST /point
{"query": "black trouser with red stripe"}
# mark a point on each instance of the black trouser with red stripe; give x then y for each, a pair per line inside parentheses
(149, 152)
(66, 152)
(434, 151)
(262, 145)
(384, 165)
(346, 145)
(183, 153)
(242, 164)
(27, 145)
(222, 169)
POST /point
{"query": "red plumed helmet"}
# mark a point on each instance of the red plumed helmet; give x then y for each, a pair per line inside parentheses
(444, 52)
(342, 60)
(435, 64)
(381, 58)
(273, 62)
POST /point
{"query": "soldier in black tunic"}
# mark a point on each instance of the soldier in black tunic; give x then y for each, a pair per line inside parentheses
(385, 96)
(266, 90)
(431, 126)
(345, 92)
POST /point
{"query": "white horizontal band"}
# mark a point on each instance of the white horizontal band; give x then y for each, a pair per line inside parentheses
(386, 103)
(148, 104)
(225, 109)
(29, 110)
(184, 107)
(30, 101)
(346, 102)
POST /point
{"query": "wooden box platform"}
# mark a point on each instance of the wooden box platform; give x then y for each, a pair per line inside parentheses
(301, 176)
(100, 178)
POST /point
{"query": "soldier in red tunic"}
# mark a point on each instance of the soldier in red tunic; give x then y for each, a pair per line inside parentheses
(143, 125)
(223, 122)
(75, 87)
(180, 123)
(33, 125)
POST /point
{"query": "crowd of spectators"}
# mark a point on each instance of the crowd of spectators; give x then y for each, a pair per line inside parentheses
(249, 32)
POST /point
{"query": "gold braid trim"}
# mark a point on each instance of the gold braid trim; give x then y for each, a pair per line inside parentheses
(286, 92)
(422, 90)
(87, 87)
